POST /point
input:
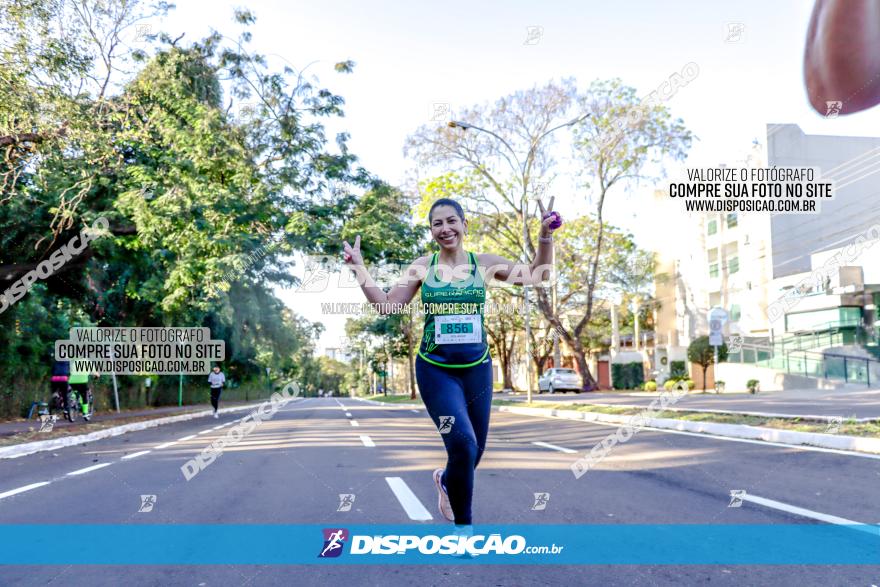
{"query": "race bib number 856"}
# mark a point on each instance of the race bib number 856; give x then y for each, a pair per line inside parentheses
(457, 329)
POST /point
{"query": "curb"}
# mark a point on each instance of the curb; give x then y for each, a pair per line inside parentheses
(793, 437)
(832, 441)
(735, 412)
(27, 448)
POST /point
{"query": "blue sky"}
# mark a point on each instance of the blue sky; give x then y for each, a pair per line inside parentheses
(411, 55)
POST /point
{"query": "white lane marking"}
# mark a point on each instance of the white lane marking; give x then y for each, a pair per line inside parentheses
(187, 438)
(216, 427)
(348, 414)
(135, 455)
(414, 411)
(89, 469)
(747, 440)
(354, 422)
(205, 431)
(554, 447)
(411, 504)
(829, 519)
(367, 440)
(166, 445)
(23, 489)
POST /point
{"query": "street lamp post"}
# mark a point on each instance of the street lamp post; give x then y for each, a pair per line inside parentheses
(522, 171)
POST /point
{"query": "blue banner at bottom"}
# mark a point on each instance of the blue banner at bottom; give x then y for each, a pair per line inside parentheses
(147, 544)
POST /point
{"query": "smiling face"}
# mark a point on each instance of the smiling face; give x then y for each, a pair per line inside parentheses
(216, 369)
(447, 227)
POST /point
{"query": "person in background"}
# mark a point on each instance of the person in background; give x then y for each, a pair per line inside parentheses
(59, 380)
(79, 383)
(216, 379)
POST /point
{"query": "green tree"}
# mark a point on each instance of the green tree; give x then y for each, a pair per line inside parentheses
(205, 202)
(505, 172)
(703, 354)
(389, 240)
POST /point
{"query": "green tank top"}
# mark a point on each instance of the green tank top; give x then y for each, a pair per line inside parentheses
(455, 335)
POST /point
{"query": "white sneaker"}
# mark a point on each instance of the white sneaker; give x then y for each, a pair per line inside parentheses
(215, 415)
(443, 499)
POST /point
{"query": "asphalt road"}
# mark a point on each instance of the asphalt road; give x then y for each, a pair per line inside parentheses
(859, 403)
(291, 469)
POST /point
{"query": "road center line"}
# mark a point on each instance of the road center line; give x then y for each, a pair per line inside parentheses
(554, 447)
(89, 469)
(348, 414)
(23, 489)
(205, 431)
(411, 504)
(166, 445)
(187, 438)
(354, 422)
(367, 440)
(135, 455)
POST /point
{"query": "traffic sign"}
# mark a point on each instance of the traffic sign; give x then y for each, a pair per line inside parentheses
(717, 317)
(717, 313)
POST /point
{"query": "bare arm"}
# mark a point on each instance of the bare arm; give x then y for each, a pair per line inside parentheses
(401, 293)
(842, 55)
(517, 273)
(538, 271)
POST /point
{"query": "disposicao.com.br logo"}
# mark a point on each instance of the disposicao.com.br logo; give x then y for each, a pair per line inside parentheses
(431, 544)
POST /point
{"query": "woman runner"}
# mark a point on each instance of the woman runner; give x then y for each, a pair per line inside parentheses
(453, 366)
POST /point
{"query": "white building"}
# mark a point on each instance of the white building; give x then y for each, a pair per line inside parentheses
(745, 263)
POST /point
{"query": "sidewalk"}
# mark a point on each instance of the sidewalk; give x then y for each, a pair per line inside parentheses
(13, 427)
(858, 403)
(30, 441)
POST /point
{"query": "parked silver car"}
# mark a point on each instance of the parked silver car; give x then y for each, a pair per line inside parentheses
(559, 380)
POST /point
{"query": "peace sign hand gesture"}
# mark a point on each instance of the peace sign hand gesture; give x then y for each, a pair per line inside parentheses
(352, 255)
(550, 219)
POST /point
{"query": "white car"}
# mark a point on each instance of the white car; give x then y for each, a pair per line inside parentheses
(559, 379)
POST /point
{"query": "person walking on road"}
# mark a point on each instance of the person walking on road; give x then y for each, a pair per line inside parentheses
(216, 379)
(453, 366)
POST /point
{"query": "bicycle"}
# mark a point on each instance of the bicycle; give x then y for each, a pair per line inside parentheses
(75, 404)
(57, 403)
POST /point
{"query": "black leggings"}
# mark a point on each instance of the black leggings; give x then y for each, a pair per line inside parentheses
(215, 397)
(466, 395)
